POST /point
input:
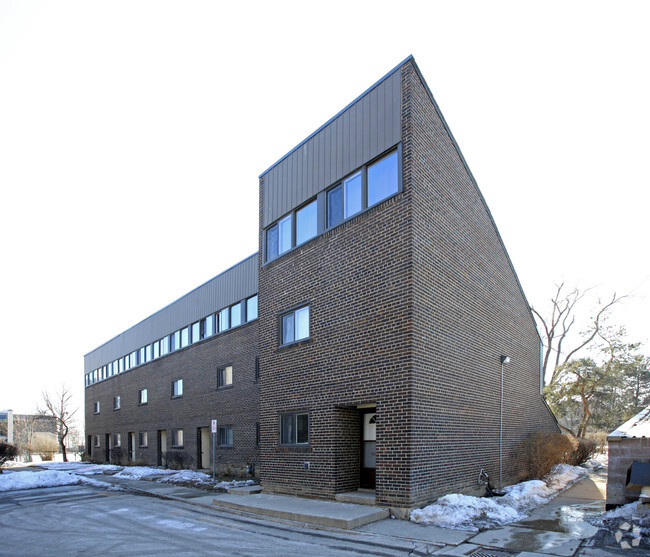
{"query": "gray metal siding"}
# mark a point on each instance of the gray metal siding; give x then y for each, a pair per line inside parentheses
(235, 284)
(367, 128)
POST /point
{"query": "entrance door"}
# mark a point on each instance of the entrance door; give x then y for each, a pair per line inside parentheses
(368, 449)
(162, 446)
(203, 456)
(132, 446)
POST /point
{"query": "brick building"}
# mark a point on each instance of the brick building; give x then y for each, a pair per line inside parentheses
(382, 306)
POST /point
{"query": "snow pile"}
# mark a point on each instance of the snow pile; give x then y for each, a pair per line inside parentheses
(10, 481)
(474, 513)
(139, 472)
(80, 468)
(597, 462)
(199, 478)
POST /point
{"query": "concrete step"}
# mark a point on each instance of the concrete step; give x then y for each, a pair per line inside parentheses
(360, 497)
(300, 509)
(245, 490)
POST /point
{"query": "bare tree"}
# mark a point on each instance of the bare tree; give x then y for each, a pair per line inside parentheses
(24, 428)
(60, 408)
(557, 328)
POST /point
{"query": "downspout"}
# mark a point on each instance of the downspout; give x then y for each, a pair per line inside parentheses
(504, 360)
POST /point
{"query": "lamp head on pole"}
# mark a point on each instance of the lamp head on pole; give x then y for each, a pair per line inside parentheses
(505, 359)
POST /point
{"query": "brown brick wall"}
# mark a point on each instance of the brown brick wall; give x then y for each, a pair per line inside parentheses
(468, 311)
(201, 401)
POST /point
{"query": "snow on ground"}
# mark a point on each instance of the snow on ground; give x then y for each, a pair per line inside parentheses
(473, 513)
(67, 473)
(10, 481)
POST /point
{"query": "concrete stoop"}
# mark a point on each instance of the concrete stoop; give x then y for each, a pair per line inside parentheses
(360, 497)
(323, 513)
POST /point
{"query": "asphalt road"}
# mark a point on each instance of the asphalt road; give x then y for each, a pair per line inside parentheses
(82, 520)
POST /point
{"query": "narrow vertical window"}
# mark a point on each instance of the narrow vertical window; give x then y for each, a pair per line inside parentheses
(224, 376)
(235, 315)
(382, 179)
(284, 234)
(251, 308)
(143, 396)
(306, 223)
(208, 326)
(148, 351)
(177, 388)
(352, 195)
(164, 346)
(156, 349)
(185, 337)
(224, 322)
(196, 332)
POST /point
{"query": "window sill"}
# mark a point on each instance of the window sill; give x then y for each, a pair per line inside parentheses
(176, 396)
(300, 342)
(293, 449)
(226, 447)
(225, 387)
(142, 403)
(178, 447)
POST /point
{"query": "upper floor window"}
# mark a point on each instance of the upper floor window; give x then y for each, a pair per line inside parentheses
(306, 222)
(117, 402)
(143, 396)
(164, 345)
(279, 238)
(344, 200)
(96, 407)
(177, 387)
(224, 322)
(208, 326)
(185, 337)
(236, 315)
(224, 376)
(196, 332)
(383, 180)
(295, 325)
(251, 308)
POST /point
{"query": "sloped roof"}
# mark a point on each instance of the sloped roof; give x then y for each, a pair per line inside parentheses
(639, 426)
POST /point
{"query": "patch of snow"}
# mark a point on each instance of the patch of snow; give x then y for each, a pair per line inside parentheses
(11, 481)
(80, 468)
(597, 462)
(473, 513)
(200, 478)
(139, 472)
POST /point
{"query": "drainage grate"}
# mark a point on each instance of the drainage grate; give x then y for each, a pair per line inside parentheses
(490, 553)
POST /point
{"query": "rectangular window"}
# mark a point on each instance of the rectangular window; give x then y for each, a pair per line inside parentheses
(142, 358)
(383, 179)
(185, 337)
(110, 369)
(143, 396)
(96, 440)
(116, 367)
(156, 349)
(225, 436)
(208, 326)
(122, 360)
(345, 200)
(144, 441)
(294, 429)
(148, 351)
(224, 376)
(196, 332)
(133, 359)
(251, 308)
(279, 238)
(127, 363)
(235, 315)
(96, 407)
(175, 341)
(224, 322)
(117, 440)
(306, 223)
(177, 437)
(177, 387)
(116, 402)
(295, 325)
(164, 345)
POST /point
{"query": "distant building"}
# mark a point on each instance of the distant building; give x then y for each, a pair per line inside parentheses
(363, 345)
(628, 444)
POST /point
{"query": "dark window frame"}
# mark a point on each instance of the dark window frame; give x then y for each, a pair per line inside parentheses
(223, 429)
(294, 416)
(221, 372)
(175, 382)
(293, 311)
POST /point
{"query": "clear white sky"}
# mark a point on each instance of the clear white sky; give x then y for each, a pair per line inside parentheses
(132, 135)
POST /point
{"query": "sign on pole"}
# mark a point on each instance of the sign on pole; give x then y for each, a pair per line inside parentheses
(214, 446)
